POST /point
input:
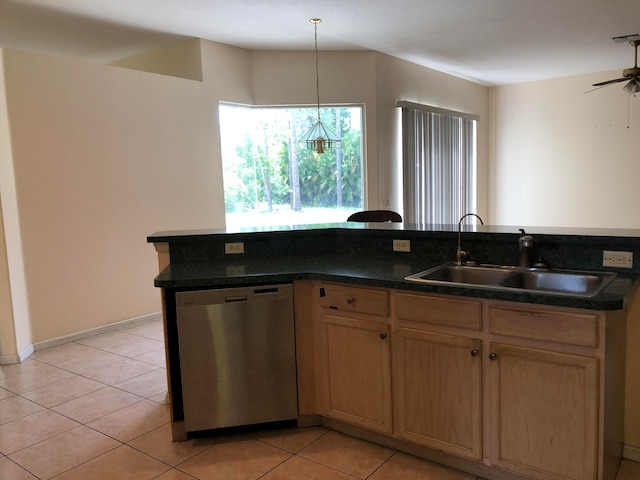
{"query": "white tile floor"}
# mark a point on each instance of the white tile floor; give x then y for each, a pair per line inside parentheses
(94, 409)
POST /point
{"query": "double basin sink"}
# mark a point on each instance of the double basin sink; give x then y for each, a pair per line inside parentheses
(563, 282)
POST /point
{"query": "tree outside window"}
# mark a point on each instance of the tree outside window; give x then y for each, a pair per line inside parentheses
(271, 178)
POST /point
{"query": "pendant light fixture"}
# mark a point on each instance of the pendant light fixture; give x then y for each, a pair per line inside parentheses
(320, 138)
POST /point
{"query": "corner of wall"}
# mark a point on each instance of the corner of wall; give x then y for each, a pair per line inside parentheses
(15, 328)
(183, 60)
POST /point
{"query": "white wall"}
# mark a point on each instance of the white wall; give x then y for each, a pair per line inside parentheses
(566, 158)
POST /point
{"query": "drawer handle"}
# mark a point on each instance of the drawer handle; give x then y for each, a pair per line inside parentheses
(350, 300)
(493, 356)
(475, 352)
(383, 335)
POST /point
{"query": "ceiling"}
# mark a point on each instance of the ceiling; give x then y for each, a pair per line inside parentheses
(493, 42)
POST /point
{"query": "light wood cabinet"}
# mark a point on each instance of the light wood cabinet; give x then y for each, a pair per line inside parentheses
(439, 391)
(359, 378)
(437, 372)
(556, 391)
(491, 387)
(357, 356)
(545, 413)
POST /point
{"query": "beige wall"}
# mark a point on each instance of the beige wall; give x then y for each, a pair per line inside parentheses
(103, 157)
(565, 158)
(181, 60)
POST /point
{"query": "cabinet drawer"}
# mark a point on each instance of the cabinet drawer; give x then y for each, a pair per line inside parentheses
(547, 325)
(439, 311)
(355, 300)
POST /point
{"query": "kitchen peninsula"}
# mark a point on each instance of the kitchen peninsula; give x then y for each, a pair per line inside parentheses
(456, 374)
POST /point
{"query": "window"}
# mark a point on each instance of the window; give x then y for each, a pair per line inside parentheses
(270, 178)
(439, 164)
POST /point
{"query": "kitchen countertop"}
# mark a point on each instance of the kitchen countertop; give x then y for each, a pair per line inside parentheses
(365, 271)
(362, 254)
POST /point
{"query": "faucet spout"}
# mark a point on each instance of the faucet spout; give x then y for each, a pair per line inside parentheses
(525, 242)
(459, 252)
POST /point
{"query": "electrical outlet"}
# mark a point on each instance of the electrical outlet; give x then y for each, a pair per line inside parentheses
(402, 245)
(617, 259)
(234, 248)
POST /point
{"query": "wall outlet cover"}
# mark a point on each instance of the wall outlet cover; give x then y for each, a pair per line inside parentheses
(234, 248)
(615, 259)
(402, 245)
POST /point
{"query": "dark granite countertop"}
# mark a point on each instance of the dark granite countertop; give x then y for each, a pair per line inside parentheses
(362, 254)
(365, 271)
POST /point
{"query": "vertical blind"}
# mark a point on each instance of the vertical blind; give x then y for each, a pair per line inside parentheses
(439, 164)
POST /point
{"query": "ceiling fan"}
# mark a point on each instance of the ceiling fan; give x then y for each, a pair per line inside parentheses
(632, 75)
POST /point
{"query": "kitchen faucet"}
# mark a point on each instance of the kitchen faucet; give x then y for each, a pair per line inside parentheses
(461, 253)
(525, 242)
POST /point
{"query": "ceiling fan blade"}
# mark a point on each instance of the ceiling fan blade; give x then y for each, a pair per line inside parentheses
(608, 82)
(594, 89)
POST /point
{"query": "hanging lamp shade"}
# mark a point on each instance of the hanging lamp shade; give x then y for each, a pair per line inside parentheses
(320, 138)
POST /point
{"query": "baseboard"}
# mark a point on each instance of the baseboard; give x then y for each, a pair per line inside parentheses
(53, 342)
(18, 358)
(631, 453)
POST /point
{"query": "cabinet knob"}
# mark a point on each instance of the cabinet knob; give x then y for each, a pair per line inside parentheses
(475, 352)
(493, 356)
(383, 335)
(350, 300)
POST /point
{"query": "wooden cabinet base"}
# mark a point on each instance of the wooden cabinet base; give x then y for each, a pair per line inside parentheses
(474, 468)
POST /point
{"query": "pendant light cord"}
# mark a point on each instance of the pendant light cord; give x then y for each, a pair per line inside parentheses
(315, 22)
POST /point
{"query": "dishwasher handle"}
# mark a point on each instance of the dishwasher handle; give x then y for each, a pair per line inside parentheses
(239, 298)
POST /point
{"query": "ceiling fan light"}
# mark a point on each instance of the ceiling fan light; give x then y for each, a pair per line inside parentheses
(633, 86)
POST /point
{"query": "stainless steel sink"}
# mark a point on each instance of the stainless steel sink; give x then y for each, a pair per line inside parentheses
(562, 282)
(497, 277)
(482, 275)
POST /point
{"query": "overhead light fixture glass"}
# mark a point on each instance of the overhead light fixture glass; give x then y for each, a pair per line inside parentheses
(320, 138)
(633, 86)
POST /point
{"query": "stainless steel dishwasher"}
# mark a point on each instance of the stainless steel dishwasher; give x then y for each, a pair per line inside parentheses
(237, 356)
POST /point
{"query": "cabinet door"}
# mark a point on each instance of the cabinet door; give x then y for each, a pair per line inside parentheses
(544, 408)
(358, 370)
(439, 391)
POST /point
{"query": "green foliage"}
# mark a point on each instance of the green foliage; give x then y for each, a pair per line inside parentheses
(259, 164)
